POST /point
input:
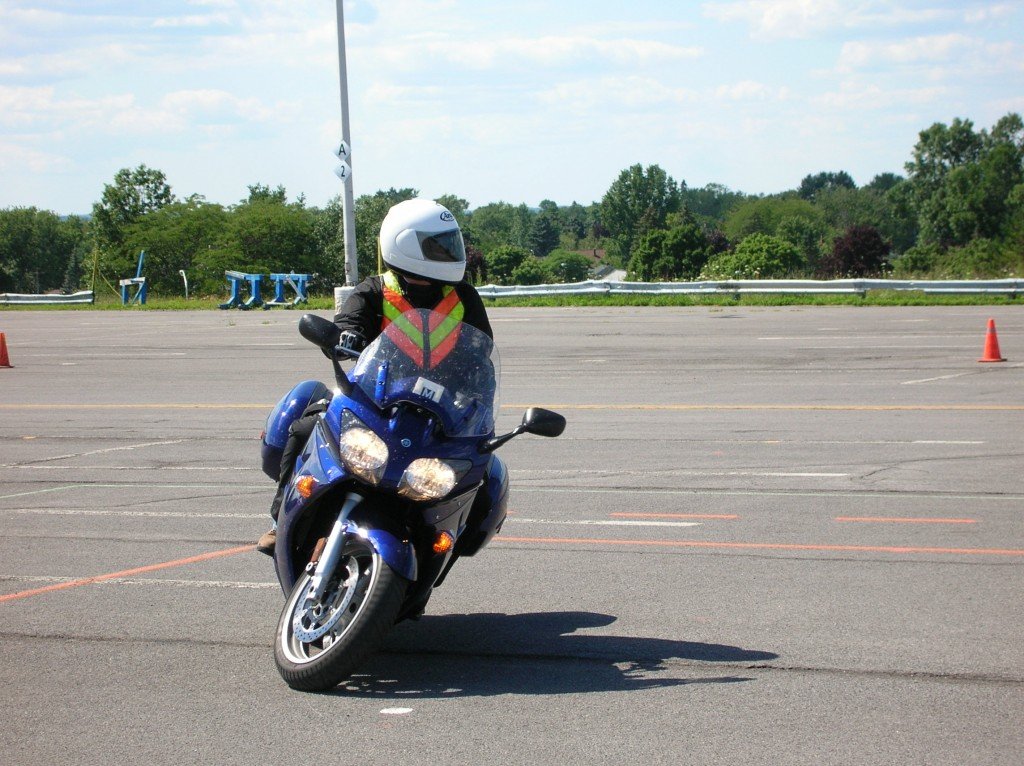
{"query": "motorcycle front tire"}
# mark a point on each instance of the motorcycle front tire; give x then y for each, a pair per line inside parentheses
(371, 594)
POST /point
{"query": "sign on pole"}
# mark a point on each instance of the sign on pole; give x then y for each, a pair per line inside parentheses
(344, 153)
(343, 171)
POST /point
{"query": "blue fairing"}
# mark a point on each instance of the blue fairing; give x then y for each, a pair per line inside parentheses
(282, 416)
(320, 460)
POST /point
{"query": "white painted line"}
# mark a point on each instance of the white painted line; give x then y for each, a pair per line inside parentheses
(677, 472)
(139, 514)
(126, 448)
(1015, 498)
(940, 377)
(396, 711)
(128, 467)
(231, 490)
(154, 581)
(943, 441)
(604, 522)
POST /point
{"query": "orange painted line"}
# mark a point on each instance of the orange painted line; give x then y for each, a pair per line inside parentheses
(884, 519)
(764, 546)
(674, 515)
(125, 573)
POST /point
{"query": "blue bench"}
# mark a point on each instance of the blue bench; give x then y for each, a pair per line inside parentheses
(298, 282)
(237, 280)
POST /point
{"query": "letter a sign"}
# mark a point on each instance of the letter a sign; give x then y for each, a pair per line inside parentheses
(344, 170)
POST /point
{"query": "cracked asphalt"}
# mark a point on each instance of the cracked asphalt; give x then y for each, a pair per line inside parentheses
(785, 535)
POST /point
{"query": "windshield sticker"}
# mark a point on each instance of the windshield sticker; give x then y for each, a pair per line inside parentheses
(428, 389)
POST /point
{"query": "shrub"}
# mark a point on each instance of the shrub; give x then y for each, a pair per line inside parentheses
(859, 252)
(502, 261)
(759, 256)
(530, 272)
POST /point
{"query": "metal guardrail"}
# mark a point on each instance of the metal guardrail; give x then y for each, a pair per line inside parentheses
(1010, 287)
(85, 296)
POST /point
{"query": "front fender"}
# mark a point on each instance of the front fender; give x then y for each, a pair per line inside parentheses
(319, 460)
(397, 554)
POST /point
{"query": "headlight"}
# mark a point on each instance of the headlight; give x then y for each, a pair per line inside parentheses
(365, 454)
(427, 479)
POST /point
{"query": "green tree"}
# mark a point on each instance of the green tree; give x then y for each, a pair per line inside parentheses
(812, 185)
(806, 234)
(884, 181)
(175, 238)
(329, 243)
(499, 223)
(503, 261)
(272, 236)
(762, 215)
(759, 256)
(263, 193)
(530, 272)
(711, 202)
(564, 266)
(544, 234)
(36, 247)
(962, 180)
(638, 201)
(678, 252)
(132, 194)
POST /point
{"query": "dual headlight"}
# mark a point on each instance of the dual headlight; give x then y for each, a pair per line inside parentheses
(366, 455)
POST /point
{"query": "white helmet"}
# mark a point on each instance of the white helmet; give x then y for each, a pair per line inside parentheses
(421, 238)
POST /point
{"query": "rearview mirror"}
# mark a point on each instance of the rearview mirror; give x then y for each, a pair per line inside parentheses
(320, 331)
(542, 422)
(537, 421)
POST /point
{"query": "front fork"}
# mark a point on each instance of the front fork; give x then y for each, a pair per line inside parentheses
(329, 558)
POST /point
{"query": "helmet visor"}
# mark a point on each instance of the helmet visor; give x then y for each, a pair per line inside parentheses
(445, 246)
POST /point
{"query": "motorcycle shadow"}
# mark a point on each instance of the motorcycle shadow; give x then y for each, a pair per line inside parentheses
(466, 655)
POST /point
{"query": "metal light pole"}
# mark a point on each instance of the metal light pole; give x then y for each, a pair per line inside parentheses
(344, 152)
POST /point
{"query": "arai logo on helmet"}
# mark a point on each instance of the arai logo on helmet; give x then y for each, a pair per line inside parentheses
(447, 217)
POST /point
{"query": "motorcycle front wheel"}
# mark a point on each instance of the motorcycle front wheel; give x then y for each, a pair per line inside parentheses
(319, 643)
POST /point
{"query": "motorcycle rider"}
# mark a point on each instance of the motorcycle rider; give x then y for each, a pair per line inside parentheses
(422, 245)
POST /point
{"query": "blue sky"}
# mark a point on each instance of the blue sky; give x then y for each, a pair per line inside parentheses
(513, 101)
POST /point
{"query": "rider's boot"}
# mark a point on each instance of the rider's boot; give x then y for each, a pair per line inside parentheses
(268, 539)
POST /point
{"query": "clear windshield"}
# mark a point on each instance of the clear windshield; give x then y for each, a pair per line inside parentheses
(435, 362)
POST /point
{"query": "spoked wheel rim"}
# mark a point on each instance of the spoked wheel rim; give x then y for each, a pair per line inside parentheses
(312, 627)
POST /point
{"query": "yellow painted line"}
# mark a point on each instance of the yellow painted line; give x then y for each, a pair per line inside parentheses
(783, 407)
(154, 406)
(611, 407)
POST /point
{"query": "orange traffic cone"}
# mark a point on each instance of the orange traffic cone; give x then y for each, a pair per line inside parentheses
(5, 361)
(991, 353)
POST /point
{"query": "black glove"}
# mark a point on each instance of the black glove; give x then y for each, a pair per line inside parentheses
(350, 344)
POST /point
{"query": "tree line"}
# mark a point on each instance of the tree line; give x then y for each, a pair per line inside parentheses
(958, 212)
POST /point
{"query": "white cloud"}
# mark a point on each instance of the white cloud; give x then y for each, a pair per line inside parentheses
(550, 51)
(805, 18)
(997, 12)
(614, 93)
(748, 90)
(17, 158)
(862, 97)
(969, 54)
(171, 22)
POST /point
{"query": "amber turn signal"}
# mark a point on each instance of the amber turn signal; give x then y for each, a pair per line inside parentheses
(444, 543)
(305, 486)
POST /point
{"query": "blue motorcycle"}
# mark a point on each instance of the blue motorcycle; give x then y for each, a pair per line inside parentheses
(397, 481)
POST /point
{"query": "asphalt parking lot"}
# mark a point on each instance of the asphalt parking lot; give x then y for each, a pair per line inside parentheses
(786, 535)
